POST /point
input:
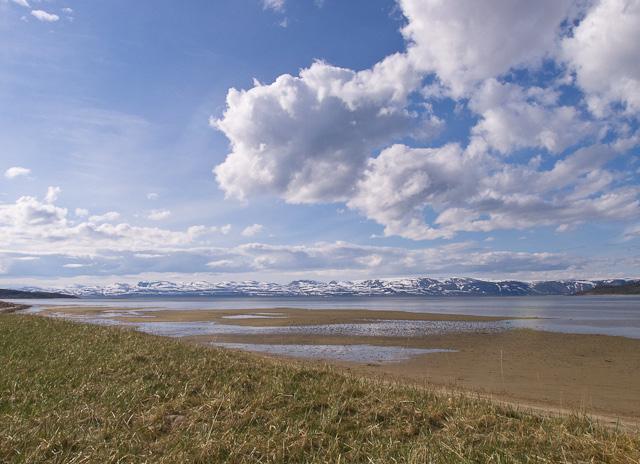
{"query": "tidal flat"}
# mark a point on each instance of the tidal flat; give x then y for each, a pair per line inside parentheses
(483, 355)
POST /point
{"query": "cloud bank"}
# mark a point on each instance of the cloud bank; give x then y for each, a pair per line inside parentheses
(42, 240)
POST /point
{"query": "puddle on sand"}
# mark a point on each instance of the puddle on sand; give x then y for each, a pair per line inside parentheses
(373, 329)
(354, 353)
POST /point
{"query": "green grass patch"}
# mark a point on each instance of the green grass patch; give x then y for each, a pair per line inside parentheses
(80, 393)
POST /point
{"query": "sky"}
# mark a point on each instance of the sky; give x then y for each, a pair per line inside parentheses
(305, 139)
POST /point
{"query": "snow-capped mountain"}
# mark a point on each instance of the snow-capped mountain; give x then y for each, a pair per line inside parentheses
(396, 287)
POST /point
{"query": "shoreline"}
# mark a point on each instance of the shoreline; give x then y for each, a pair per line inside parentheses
(8, 308)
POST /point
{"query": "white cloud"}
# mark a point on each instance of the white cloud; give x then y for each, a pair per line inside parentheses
(81, 212)
(461, 258)
(202, 231)
(23, 3)
(42, 15)
(30, 212)
(514, 118)
(603, 53)
(30, 225)
(471, 191)
(52, 194)
(324, 135)
(152, 196)
(67, 10)
(402, 182)
(327, 259)
(631, 232)
(275, 5)
(40, 240)
(465, 41)
(16, 171)
(307, 138)
(252, 230)
(159, 214)
(111, 216)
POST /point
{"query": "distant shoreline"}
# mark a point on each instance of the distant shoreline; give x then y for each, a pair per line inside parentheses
(629, 289)
(8, 308)
(10, 294)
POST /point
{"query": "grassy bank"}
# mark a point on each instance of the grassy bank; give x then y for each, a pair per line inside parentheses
(78, 393)
(6, 308)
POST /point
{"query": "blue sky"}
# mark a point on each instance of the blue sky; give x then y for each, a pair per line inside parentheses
(276, 140)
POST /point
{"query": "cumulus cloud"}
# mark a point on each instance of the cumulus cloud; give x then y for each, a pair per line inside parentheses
(252, 230)
(152, 196)
(401, 182)
(326, 135)
(465, 41)
(16, 171)
(29, 211)
(307, 137)
(603, 53)
(43, 16)
(159, 214)
(513, 118)
(23, 3)
(471, 191)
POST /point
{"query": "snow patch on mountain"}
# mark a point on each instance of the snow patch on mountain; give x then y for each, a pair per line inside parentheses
(373, 287)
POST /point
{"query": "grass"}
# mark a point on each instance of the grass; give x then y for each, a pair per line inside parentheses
(77, 393)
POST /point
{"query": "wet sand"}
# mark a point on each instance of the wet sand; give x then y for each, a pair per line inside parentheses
(592, 374)
(273, 317)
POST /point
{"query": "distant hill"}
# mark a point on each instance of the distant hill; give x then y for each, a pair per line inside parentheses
(20, 294)
(631, 288)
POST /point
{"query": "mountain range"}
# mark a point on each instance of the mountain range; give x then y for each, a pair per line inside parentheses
(390, 287)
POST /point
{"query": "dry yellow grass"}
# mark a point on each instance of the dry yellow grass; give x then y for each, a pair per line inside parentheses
(79, 393)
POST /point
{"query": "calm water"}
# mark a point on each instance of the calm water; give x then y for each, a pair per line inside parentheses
(619, 315)
(358, 353)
